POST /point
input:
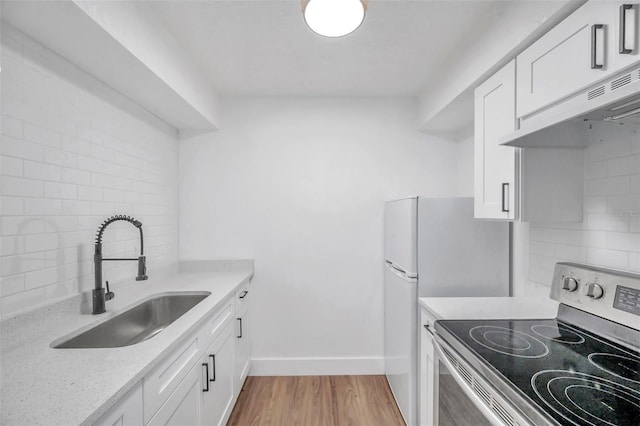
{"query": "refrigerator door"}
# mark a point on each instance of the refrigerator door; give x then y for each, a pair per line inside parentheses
(401, 300)
(459, 255)
(400, 234)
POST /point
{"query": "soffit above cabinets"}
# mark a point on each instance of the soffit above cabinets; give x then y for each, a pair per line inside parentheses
(72, 31)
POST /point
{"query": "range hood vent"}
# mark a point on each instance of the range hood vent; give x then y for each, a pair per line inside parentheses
(616, 101)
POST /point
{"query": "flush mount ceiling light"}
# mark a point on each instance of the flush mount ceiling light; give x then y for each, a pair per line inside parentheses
(334, 18)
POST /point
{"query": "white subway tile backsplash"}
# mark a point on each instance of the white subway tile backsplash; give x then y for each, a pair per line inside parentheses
(16, 186)
(41, 242)
(596, 170)
(11, 284)
(22, 225)
(21, 301)
(627, 165)
(607, 186)
(11, 166)
(607, 222)
(10, 126)
(65, 191)
(15, 147)
(609, 258)
(609, 235)
(11, 206)
(70, 158)
(22, 263)
(42, 136)
(60, 157)
(624, 241)
(596, 204)
(11, 244)
(42, 171)
(42, 207)
(90, 193)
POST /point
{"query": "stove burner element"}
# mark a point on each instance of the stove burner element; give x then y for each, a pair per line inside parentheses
(620, 366)
(508, 342)
(585, 399)
(558, 334)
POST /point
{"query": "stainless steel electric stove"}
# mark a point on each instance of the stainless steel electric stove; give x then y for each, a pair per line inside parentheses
(580, 368)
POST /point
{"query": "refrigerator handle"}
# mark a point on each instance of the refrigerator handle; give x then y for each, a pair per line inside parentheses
(396, 270)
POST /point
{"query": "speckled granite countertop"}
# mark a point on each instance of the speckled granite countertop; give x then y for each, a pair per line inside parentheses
(45, 386)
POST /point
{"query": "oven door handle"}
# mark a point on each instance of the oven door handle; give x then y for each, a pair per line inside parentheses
(464, 385)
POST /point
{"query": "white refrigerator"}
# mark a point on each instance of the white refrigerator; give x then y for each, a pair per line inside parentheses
(433, 248)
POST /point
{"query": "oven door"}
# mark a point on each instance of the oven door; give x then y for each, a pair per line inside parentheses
(463, 397)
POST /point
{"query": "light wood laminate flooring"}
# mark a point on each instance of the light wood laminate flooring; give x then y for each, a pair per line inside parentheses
(316, 401)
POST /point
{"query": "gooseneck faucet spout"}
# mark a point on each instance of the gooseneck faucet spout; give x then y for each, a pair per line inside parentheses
(99, 295)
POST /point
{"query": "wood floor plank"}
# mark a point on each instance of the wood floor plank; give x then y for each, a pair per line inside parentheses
(316, 401)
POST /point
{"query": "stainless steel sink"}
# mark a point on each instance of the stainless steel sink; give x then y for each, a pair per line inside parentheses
(137, 324)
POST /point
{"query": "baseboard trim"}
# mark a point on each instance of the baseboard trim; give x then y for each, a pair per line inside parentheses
(316, 366)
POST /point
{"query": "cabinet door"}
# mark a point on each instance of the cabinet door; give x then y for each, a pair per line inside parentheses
(126, 412)
(495, 165)
(577, 53)
(217, 403)
(243, 350)
(183, 407)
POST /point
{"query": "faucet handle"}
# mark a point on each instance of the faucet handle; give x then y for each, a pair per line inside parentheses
(109, 294)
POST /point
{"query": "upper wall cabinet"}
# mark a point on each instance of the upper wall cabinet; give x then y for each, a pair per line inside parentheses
(596, 41)
(495, 166)
(532, 184)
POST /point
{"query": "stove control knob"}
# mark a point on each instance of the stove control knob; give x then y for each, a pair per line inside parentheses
(595, 291)
(570, 284)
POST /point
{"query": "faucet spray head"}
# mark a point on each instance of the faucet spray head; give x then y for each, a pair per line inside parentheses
(142, 268)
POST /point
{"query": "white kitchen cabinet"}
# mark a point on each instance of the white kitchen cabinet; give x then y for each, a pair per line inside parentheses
(495, 174)
(528, 184)
(428, 372)
(126, 412)
(218, 397)
(184, 405)
(597, 40)
(243, 341)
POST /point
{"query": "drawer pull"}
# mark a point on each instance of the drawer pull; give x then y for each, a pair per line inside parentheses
(213, 364)
(243, 294)
(594, 46)
(623, 29)
(206, 372)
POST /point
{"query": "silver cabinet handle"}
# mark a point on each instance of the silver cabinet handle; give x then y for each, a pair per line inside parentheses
(505, 207)
(623, 29)
(594, 46)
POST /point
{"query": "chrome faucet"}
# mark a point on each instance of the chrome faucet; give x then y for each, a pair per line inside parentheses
(99, 295)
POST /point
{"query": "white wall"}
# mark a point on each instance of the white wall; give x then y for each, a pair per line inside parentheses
(298, 184)
(74, 152)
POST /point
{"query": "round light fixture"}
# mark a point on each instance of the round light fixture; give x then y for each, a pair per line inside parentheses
(334, 18)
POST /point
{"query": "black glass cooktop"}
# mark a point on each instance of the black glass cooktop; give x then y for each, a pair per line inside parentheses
(575, 377)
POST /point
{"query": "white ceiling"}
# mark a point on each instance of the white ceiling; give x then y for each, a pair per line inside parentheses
(264, 48)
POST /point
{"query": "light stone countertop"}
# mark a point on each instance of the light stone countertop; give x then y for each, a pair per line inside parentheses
(453, 308)
(46, 386)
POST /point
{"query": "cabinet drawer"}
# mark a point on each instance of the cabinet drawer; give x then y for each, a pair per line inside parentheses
(164, 379)
(217, 322)
(126, 412)
(183, 407)
(242, 297)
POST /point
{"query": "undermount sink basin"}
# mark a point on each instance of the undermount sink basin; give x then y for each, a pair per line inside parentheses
(137, 324)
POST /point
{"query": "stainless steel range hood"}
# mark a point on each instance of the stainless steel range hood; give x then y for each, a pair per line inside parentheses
(614, 101)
